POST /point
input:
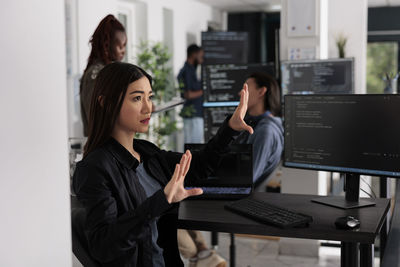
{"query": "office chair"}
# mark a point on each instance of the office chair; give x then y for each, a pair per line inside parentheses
(261, 186)
(79, 243)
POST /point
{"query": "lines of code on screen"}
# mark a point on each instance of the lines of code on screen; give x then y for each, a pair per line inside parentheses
(346, 133)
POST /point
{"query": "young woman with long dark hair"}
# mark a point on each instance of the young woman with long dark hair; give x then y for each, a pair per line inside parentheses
(128, 186)
(108, 45)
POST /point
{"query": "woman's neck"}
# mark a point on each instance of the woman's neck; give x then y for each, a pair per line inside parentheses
(257, 110)
(126, 140)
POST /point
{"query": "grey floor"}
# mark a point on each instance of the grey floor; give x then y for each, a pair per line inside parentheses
(255, 252)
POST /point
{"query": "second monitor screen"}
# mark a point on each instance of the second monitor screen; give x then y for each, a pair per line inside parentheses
(347, 133)
(318, 77)
(222, 83)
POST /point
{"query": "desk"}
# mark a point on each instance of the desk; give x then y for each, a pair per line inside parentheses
(392, 251)
(210, 215)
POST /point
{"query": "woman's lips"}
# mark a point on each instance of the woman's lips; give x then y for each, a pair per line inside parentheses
(146, 121)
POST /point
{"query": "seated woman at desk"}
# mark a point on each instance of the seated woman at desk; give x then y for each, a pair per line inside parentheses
(128, 186)
(263, 115)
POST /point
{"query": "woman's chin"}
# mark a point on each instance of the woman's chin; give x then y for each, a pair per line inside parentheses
(144, 129)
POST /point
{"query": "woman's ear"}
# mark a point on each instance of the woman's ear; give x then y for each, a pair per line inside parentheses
(262, 91)
(101, 100)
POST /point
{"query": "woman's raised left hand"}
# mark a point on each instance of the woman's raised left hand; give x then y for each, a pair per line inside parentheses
(236, 122)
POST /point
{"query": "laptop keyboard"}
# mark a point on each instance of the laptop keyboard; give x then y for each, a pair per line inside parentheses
(224, 190)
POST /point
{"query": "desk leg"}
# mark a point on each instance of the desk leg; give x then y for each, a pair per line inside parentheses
(232, 255)
(384, 192)
(214, 240)
(367, 255)
(349, 254)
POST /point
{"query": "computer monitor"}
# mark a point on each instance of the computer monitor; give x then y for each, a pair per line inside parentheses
(214, 116)
(351, 134)
(224, 82)
(333, 76)
(224, 47)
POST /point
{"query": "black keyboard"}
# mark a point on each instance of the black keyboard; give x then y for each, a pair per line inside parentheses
(267, 213)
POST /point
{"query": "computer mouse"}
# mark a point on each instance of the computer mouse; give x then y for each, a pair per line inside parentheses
(347, 222)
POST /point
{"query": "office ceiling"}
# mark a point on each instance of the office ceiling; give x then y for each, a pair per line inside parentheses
(244, 5)
(272, 5)
(376, 3)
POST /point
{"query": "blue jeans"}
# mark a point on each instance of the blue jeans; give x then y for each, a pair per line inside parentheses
(193, 130)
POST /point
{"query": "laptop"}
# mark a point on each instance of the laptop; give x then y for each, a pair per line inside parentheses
(233, 178)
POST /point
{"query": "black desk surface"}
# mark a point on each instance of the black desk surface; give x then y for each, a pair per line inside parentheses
(210, 215)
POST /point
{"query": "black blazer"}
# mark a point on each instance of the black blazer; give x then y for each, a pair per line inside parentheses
(118, 213)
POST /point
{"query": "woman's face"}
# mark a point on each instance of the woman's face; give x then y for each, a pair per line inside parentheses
(119, 45)
(136, 109)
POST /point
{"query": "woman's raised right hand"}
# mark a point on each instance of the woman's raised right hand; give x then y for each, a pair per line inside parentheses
(175, 191)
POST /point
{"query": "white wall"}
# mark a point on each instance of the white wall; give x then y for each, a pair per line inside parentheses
(318, 41)
(351, 19)
(34, 184)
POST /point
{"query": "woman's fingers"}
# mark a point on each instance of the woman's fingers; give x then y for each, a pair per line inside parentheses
(243, 95)
(175, 176)
(194, 192)
(248, 128)
(184, 165)
(246, 95)
(189, 159)
(182, 159)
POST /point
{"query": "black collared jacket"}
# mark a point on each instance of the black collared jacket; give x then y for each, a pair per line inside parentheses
(117, 211)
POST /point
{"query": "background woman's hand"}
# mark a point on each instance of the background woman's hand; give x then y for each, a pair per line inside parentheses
(237, 120)
(174, 191)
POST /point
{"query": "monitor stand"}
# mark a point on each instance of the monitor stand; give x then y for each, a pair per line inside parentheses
(352, 199)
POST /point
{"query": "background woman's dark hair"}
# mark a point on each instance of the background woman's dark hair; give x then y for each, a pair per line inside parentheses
(103, 39)
(111, 86)
(272, 97)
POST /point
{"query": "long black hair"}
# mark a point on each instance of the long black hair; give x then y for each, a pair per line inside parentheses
(108, 95)
(272, 99)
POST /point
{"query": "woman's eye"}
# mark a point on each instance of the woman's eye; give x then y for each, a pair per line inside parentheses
(151, 97)
(137, 98)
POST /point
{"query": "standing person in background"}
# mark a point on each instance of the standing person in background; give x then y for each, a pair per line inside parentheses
(263, 114)
(108, 44)
(192, 92)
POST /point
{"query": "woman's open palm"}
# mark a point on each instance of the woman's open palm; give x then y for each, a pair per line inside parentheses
(237, 122)
(175, 190)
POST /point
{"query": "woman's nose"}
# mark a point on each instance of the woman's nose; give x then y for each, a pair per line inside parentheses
(148, 106)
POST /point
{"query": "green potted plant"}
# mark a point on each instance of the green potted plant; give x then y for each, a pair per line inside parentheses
(154, 58)
(341, 41)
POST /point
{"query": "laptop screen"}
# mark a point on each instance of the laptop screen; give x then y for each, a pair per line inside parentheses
(235, 168)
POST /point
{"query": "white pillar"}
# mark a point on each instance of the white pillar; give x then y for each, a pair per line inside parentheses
(303, 15)
(34, 186)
